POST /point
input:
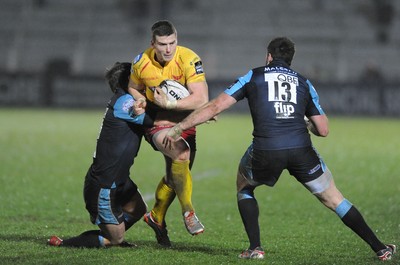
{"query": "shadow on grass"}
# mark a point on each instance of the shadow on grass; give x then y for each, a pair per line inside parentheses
(141, 244)
(203, 248)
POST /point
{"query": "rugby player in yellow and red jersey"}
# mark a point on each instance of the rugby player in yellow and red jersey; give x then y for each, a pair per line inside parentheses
(166, 60)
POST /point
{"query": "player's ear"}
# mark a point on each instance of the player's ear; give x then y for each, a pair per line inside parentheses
(269, 58)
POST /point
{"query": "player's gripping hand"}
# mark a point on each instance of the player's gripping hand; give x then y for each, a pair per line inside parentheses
(161, 99)
(172, 136)
(139, 106)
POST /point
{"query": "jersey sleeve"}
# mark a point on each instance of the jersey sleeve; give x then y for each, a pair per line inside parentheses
(123, 110)
(237, 89)
(194, 71)
(134, 76)
(313, 108)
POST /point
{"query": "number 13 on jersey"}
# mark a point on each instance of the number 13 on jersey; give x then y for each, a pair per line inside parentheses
(281, 87)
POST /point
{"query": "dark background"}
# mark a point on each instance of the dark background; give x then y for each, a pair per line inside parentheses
(53, 53)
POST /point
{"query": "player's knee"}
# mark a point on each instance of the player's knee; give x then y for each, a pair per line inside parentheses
(331, 198)
(245, 194)
(112, 238)
(113, 232)
(116, 239)
(178, 152)
(241, 182)
(117, 236)
(183, 155)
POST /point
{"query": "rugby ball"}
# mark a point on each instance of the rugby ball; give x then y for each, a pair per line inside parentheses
(174, 90)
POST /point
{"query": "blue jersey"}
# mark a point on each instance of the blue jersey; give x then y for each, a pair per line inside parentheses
(278, 98)
(119, 141)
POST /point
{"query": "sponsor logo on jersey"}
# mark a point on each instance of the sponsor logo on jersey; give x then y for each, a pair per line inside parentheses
(127, 105)
(283, 110)
(137, 58)
(199, 67)
(280, 69)
(282, 91)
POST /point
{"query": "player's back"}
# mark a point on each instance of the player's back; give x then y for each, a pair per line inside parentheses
(278, 105)
(278, 98)
(117, 145)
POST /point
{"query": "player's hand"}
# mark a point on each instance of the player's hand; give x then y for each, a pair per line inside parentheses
(172, 136)
(161, 99)
(139, 106)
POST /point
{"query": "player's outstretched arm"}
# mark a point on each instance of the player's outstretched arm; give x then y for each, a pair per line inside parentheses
(198, 96)
(199, 116)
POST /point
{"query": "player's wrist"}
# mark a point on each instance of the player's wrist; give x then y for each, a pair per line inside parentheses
(178, 128)
(141, 100)
(175, 131)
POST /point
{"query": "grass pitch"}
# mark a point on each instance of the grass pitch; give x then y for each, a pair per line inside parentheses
(45, 154)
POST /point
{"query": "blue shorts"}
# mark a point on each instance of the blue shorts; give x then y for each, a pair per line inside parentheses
(266, 166)
(105, 204)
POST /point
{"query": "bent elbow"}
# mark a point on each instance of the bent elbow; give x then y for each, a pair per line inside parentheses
(324, 132)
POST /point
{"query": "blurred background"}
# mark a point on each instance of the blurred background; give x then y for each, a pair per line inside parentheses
(53, 53)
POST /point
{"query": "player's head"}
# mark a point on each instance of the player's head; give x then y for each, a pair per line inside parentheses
(164, 40)
(118, 76)
(281, 48)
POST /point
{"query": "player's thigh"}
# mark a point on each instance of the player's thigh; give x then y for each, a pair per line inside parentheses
(103, 204)
(135, 205)
(260, 167)
(179, 151)
(130, 198)
(305, 164)
(126, 191)
(91, 193)
(310, 170)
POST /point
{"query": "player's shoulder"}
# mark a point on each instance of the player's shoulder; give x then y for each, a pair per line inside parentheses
(187, 54)
(190, 60)
(184, 50)
(124, 102)
(259, 70)
(141, 57)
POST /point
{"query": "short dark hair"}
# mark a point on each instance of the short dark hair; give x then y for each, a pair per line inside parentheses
(118, 76)
(282, 48)
(162, 28)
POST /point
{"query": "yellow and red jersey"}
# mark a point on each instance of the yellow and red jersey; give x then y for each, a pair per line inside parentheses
(186, 67)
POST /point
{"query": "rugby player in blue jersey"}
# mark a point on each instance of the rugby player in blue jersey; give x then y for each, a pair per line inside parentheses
(279, 99)
(111, 197)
